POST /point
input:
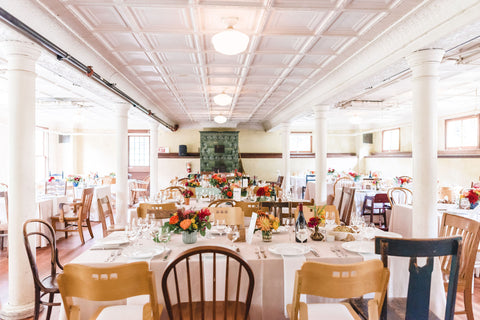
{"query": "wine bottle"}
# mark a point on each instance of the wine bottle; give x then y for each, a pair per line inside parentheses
(254, 180)
(301, 231)
(273, 194)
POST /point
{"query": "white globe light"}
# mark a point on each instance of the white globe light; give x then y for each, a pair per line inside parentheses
(222, 99)
(230, 41)
(220, 119)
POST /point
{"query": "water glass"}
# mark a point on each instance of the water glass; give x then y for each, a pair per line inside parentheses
(369, 231)
(233, 234)
(329, 219)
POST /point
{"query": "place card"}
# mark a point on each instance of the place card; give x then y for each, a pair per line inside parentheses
(245, 183)
(251, 228)
(237, 194)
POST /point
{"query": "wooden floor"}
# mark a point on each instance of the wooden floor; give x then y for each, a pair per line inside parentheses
(71, 247)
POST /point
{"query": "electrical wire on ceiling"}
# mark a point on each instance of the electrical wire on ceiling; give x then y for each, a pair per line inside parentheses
(62, 55)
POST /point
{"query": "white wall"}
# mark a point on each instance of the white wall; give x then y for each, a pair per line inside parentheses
(4, 156)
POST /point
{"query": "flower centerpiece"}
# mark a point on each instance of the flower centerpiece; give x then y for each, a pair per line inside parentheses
(237, 175)
(74, 179)
(192, 183)
(266, 223)
(187, 194)
(264, 192)
(112, 174)
(317, 220)
(218, 181)
(356, 176)
(402, 181)
(51, 179)
(472, 195)
(227, 192)
(331, 171)
(189, 223)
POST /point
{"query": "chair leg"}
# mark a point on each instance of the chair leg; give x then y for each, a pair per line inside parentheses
(49, 308)
(467, 301)
(89, 227)
(66, 233)
(80, 232)
(36, 311)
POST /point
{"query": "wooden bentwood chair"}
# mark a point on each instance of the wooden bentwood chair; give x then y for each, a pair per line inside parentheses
(78, 221)
(188, 296)
(418, 296)
(338, 281)
(32, 229)
(109, 284)
(469, 230)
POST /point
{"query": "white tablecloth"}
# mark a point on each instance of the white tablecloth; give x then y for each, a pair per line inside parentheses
(47, 206)
(98, 192)
(297, 183)
(267, 302)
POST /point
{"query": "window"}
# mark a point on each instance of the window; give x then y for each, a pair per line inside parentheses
(461, 133)
(391, 140)
(301, 142)
(138, 151)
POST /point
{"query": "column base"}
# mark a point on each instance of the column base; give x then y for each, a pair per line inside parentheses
(9, 312)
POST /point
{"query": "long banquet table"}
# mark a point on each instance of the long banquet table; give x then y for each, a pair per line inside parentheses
(268, 297)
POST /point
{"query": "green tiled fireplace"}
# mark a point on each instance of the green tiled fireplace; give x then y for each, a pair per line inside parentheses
(218, 151)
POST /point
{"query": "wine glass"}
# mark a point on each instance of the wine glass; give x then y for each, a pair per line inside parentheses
(464, 203)
(369, 231)
(164, 237)
(287, 222)
(131, 233)
(329, 219)
(221, 226)
(233, 234)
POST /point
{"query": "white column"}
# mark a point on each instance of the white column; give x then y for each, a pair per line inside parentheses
(424, 65)
(286, 157)
(122, 162)
(153, 158)
(21, 57)
(320, 149)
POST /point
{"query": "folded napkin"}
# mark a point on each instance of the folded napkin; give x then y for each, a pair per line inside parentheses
(290, 265)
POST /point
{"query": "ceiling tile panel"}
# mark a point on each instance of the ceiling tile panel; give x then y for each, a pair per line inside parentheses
(134, 58)
(294, 22)
(349, 23)
(284, 44)
(170, 42)
(272, 59)
(161, 19)
(120, 41)
(101, 17)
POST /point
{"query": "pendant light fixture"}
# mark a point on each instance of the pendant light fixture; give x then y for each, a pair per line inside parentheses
(222, 99)
(220, 119)
(230, 41)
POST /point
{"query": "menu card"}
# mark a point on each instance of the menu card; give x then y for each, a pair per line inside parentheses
(237, 194)
(251, 228)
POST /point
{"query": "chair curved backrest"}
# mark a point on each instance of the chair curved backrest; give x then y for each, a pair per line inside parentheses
(248, 207)
(32, 229)
(215, 281)
(108, 284)
(144, 208)
(340, 281)
(418, 296)
(399, 195)
(171, 192)
(223, 203)
(469, 230)
(342, 182)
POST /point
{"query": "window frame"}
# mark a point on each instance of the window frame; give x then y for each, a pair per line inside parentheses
(139, 133)
(477, 116)
(399, 140)
(311, 142)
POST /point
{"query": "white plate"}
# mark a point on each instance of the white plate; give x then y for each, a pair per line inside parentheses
(141, 253)
(289, 249)
(113, 241)
(280, 229)
(387, 234)
(359, 246)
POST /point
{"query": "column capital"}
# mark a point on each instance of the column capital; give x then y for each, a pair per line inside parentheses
(320, 110)
(420, 60)
(21, 55)
(122, 108)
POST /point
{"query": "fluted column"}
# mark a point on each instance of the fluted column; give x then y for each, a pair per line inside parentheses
(320, 149)
(424, 65)
(286, 156)
(153, 158)
(122, 162)
(21, 58)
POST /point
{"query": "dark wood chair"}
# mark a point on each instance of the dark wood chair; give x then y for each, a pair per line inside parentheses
(32, 229)
(76, 222)
(469, 230)
(340, 183)
(346, 204)
(418, 296)
(186, 297)
(377, 205)
(105, 212)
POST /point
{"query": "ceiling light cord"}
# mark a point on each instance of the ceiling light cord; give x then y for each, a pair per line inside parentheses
(64, 56)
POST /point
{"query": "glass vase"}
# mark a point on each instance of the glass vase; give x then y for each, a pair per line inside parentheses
(267, 236)
(316, 235)
(189, 237)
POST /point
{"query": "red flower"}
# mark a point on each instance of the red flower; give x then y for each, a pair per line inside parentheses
(260, 192)
(173, 219)
(229, 194)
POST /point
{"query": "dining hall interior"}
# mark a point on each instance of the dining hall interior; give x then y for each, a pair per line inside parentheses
(295, 138)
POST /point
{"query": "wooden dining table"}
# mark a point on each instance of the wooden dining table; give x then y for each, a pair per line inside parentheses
(268, 297)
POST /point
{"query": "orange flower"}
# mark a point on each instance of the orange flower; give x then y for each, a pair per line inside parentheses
(229, 194)
(185, 224)
(173, 219)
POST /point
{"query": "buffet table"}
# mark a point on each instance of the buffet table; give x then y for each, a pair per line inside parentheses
(269, 271)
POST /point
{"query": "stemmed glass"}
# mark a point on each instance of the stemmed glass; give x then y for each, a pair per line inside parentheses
(164, 237)
(221, 226)
(329, 220)
(233, 234)
(287, 222)
(464, 203)
(132, 233)
(369, 231)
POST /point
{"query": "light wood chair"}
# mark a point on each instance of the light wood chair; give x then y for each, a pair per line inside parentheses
(171, 193)
(248, 207)
(4, 224)
(76, 222)
(346, 204)
(105, 211)
(419, 283)
(399, 195)
(223, 203)
(188, 297)
(309, 212)
(446, 194)
(340, 183)
(231, 215)
(161, 208)
(454, 225)
(338, 281)
(181, 182)
(47, 286)
(141, 190)
(109, 285)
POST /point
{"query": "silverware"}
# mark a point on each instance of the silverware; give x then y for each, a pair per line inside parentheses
(117, 254)
(165, 257)
(257, 251)
(315, 253)
(262, 250)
